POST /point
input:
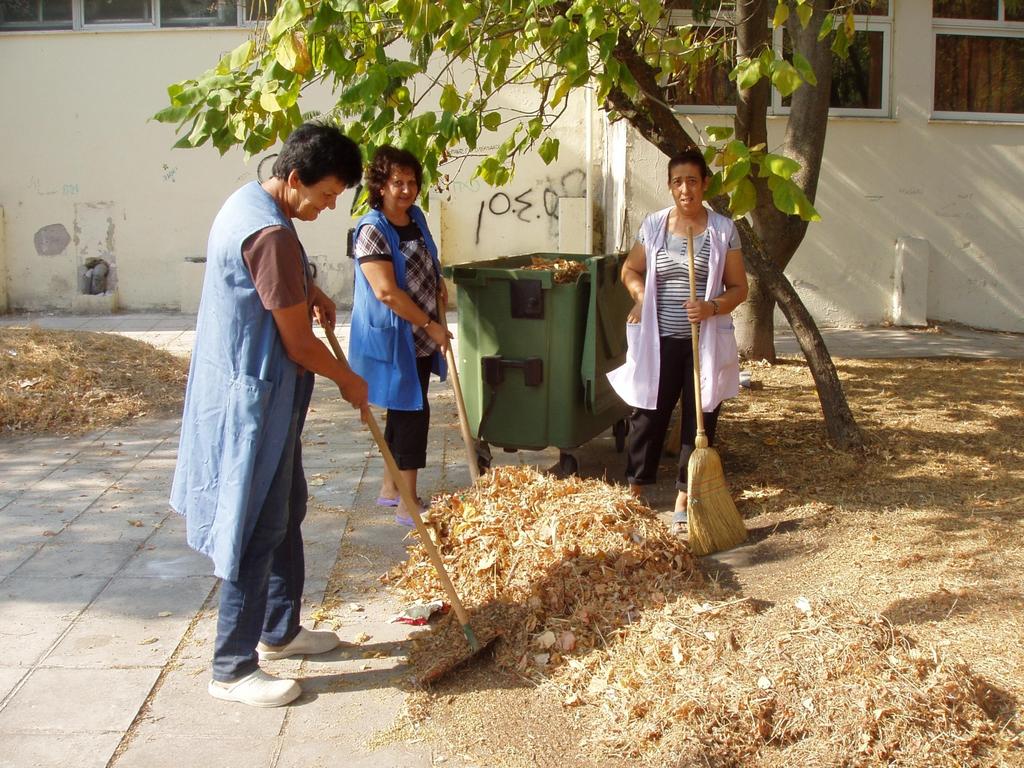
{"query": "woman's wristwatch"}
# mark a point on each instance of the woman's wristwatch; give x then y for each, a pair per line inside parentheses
(714, 307)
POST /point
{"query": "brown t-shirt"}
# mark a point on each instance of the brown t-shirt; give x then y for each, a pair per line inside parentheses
(274, 258)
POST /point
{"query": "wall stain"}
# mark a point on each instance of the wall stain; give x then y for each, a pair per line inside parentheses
(51, 240)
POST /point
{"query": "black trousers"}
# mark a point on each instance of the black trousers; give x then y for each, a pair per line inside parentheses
(647, 428)
(406, 431)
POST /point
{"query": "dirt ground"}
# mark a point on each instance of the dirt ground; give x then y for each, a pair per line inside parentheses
(922, 532)
(923, 529)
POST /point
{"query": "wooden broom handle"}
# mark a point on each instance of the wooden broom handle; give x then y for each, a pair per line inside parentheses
(694, 333)
(405, 492)
(460, 403)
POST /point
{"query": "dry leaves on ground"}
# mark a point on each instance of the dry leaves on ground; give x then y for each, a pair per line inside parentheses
(566, 562)
(72, 381)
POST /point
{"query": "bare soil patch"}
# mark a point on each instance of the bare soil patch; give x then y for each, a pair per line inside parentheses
(874, 619)
(67, 382)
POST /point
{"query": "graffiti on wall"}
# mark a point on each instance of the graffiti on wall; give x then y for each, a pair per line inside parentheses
(537, 203)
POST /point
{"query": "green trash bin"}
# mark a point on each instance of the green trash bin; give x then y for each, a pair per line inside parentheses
(533, 353)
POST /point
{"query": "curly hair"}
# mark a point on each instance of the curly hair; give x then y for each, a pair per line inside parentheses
(384, 161)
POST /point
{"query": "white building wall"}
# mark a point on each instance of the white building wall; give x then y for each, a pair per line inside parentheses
(87, 174)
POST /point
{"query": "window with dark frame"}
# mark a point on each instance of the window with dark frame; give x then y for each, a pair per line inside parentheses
(35, 14)
(29, 15)
(858, 82)
(979, 59)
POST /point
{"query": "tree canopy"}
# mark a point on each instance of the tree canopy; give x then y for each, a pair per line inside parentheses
(432, 77)
(426, 75)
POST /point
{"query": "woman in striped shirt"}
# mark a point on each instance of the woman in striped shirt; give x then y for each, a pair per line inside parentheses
(659, 364)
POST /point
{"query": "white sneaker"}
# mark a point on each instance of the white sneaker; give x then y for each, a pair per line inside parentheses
(257, 689)
(307, 643)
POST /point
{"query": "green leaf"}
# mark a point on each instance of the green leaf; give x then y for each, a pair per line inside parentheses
(781, 165)
(789, 198)
(492, 120)
(289, 13)
(743, 199)
(781, 14)
(785, 77)
(746, 73)
(650, 11)
(735, 150)
(841, 43)
(804, 13)
(450, 100)
(559, 28)
(270, 103)
(739, 170)
(172, 114)
(469, 127)
(826, 26)
(719, 132)
(548, 150)
(803, 66)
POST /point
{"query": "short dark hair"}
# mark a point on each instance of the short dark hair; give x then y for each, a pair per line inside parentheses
(690, 155)
(384, 161)
(316, 151)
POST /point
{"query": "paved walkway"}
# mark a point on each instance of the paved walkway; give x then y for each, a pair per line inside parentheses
(107, 618)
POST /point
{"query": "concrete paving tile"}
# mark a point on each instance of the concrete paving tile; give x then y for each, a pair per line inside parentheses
(167, 555)
(19, 540)
(13, 556)
(330, 753)
(226, 751)
(70, 480)
(36, 504)
(125, 627)
(183, 707)
(20, 463)
(72, 558)
(36, 611)
(10, 677)
(197, 651)
(58, 750)
(89, 700)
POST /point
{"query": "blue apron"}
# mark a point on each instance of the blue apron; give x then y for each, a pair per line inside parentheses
(239, 396)
(381, 348)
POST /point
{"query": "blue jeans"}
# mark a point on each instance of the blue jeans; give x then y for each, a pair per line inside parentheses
(263, 603)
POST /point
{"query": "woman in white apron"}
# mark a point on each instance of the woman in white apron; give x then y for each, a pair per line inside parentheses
(659, 361)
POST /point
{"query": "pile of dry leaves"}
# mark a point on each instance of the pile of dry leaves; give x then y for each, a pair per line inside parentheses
(72, 381)
(566, 270)
(565, 562)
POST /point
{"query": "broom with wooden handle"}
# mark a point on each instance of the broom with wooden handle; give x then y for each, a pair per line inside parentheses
(413, 506)
(460, 404)
(713, 522)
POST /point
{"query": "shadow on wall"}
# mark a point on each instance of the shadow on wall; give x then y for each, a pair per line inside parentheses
(948, 188)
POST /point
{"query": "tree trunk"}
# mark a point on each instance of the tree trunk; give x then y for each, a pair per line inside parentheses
(755, 322)
(840, 425)
(839, 422)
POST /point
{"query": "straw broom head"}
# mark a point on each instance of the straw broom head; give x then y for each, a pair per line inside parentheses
(713, 522)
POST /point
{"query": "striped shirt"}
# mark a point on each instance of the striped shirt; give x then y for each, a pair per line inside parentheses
(673, 275)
